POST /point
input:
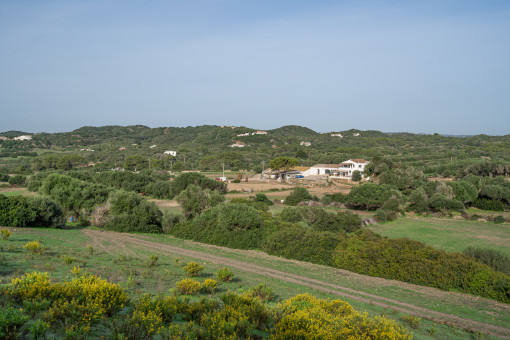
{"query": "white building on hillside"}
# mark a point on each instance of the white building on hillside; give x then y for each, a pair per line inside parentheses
(24, 137)
(342, 171)
(348, 167)
(172, 153)
(321, 169)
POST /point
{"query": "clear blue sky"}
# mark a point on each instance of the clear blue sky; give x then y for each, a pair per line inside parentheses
(419, 66)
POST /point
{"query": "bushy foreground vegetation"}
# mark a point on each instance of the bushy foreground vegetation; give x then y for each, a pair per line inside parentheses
(88, 306)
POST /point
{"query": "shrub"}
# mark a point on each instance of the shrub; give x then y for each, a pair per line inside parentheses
(306, 317)
(262, 292)
(188, 286)
(499, 219)
(5, 233)
(131, 212)
(17, 180)
(193, 269)
(238, 217)
(488, 204)
(224, 274)
(262, 198)
(439, 202)
(152, 260)
(303, 244)
(74, 304)
(209, 285)
(11, 320)
(356, 176)
(411, 320)
(368, 196)
(33, 247)
(68, 259)
(493, 258)
(298, 194)
(195, 200)
(38, 329)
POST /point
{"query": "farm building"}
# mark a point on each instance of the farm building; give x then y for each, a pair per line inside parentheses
(348, 167)
(172, 153)
(321, 169)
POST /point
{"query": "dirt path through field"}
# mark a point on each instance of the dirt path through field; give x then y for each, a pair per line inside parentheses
(137, 241)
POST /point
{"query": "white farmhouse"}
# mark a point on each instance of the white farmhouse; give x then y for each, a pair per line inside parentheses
(321, 169)
(305, 143)
(238, 144)
(172, 153)
(337, 135)
(348, 167)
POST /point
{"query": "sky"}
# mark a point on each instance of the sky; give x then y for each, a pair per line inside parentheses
(416, 66)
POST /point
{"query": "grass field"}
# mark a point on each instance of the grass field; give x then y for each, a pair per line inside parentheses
(449, 234)
(127, 264)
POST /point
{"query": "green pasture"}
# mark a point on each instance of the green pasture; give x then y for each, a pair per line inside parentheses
(449, 234)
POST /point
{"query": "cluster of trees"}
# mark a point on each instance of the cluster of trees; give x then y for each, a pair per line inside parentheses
(20, 211)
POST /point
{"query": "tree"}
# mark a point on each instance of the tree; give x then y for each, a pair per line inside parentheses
(356, 175)
(195, 200)
(368, 196)
(283, 164)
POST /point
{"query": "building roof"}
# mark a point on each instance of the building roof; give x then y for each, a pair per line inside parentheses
(360, 160)
(301, 168)
(326, 166)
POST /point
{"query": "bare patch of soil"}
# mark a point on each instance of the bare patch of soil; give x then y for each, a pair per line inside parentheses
(466, 300)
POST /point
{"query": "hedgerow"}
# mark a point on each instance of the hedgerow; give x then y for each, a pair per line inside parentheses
(414, 262)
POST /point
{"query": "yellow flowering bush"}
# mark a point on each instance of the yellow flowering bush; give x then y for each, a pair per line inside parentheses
(33, 247)
(209, 285)
(188, 286)
(193, 269)
(5, 233)
(81, 301)
(307, 317)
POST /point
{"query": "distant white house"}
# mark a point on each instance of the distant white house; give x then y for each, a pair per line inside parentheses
(3, 138)
(237, 144)
(356, 134)
(343, 170)
(337, 135)
(259, 133)
(88, 149)
(243, 134)
(321, 169)
(24, 137)
(305, 143)
(348, 167)
(153, 146)
(172, 153)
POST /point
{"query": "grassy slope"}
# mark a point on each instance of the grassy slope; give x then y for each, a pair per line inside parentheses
(448, 234)
(126, 265)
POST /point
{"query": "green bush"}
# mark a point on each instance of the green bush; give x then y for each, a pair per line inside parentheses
(499, 219)
(131, 212)
(238, 217)
(303, 244)
(368, 196)
(20, 211)
(356, 176)
(17, 180)
(224, 274)
(193, 269)
(298, 194)
(493, 258)
(11, 320)
(489, 204)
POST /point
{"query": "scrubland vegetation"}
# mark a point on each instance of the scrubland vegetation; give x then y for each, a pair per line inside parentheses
(328, 234)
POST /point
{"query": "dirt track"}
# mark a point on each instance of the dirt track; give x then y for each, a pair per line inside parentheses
(120, 240)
